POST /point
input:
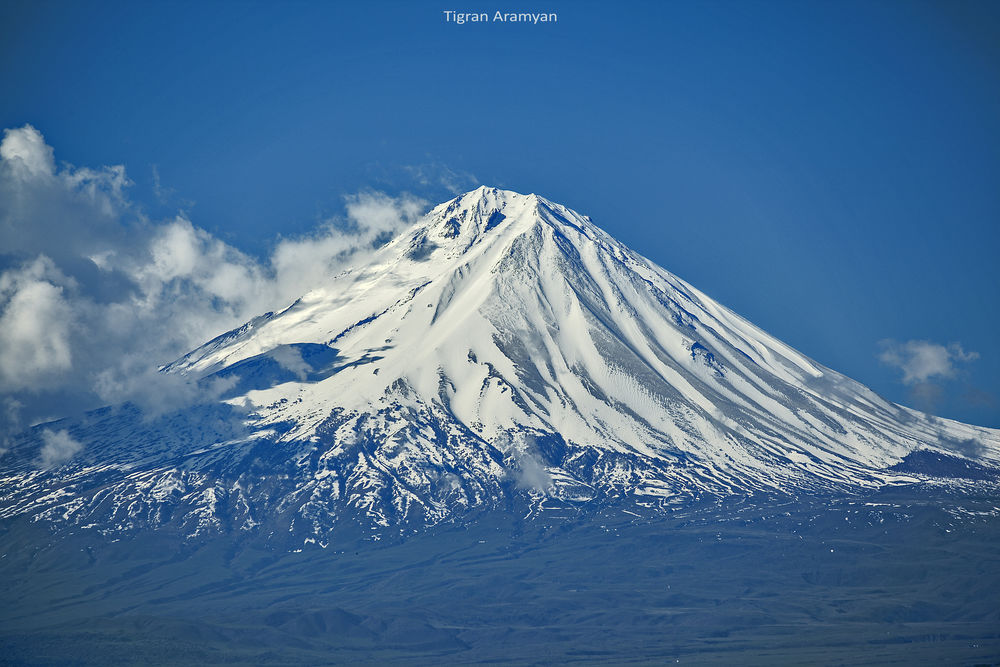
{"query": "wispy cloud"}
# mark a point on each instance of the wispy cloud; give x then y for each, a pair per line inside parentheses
(162, 194)
(94, 296)
(531, 474)
(58, 447)
(528, 467)
(290, 359)
(432, 179)
(922, 360)
(435, 174)
(924, 365)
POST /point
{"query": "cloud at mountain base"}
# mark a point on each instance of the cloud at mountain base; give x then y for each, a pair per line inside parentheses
(531, 474)
(94, 295)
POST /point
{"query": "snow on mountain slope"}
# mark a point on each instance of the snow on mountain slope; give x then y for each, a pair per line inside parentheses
(506, 345)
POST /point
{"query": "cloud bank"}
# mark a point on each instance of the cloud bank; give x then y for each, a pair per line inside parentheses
(94, 296)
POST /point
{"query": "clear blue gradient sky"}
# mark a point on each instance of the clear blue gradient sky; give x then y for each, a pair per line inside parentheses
(830, 170)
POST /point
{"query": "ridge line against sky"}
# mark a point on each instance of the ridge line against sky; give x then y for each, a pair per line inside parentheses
(826, 171)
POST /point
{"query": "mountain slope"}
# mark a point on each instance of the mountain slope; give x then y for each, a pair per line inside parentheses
(503, 349)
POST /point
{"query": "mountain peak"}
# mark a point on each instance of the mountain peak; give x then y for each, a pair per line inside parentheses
(474, 213)
(461, 223)
(490, 196)
(505, 346)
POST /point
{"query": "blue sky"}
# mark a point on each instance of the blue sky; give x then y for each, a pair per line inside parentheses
(828, 170)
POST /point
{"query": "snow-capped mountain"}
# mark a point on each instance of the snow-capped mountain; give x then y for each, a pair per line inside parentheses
(502, 349)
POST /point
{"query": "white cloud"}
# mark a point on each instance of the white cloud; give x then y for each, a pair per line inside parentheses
(24, 149)
(290, 359)
(35, 326)
(531, 474)
(298, 265)
(66, 214)
(58, 448)
(134, 380)
(375, 213)
(922, 360)
(94, 296)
